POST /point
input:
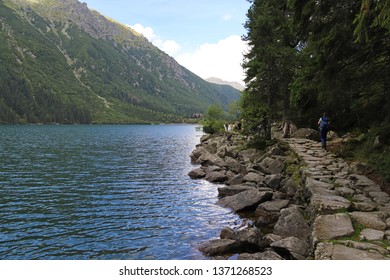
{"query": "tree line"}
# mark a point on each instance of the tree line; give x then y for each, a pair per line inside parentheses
(312, 56)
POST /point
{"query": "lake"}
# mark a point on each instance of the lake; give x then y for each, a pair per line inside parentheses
(104, 192)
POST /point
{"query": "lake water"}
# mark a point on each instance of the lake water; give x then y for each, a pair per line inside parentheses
(104, 192)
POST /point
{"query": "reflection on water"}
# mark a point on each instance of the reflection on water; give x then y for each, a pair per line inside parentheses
(103, 192)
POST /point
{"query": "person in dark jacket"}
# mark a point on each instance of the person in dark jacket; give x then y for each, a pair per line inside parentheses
(323, 123)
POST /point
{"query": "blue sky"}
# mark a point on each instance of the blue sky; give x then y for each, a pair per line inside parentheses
(202, 35)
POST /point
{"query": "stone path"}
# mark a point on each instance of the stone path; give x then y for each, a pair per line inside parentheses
(350, 214)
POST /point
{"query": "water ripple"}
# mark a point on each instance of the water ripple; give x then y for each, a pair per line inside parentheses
(103, 192)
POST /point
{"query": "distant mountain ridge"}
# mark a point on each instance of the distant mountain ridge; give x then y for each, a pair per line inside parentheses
(62, 62)
(218, 81)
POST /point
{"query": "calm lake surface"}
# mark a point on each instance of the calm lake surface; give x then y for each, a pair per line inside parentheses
(104, 192)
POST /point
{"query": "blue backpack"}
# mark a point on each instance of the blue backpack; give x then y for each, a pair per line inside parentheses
(324, 122)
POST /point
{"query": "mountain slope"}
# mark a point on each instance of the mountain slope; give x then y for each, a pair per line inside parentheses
(61, 62)
(218, 81)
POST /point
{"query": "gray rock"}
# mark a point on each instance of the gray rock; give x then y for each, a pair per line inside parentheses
(195, 155)
(219, 247)
(364, 206)
(261, 169)
(387, 235)
(197, 173)
(236, 180)
(316, 187)
(365, 246)
(291, 188)
(233, 165)
(265, 218)
(270, 238)
(370, 234)
(345, 192)
(251, 238)
(233, 190)
(212, 168)
(268, 255)
(273, 205)
(247, 199)
(374, 220)
(253, 177)
(328, 227)
(328, 204)
(343, 182)
(250, 155)
(307, 133)
(329, 251)
(380, 197)
(216, 177)
(209, 159)
(296, 247)
(274, 181)
(292, 223)
(273, 165)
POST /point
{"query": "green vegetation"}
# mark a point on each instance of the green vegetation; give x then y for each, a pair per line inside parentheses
(309, 57)
(362, 149)
(56, 68)
(213, 120)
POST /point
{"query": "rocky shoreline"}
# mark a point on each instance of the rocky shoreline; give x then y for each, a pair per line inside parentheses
(299, 201)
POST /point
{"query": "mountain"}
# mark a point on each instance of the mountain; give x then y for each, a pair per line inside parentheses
(218, 81)
(64, 63)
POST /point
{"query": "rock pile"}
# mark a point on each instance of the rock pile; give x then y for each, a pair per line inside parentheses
(319, 210)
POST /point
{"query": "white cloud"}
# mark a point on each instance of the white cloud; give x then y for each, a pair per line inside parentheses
(169, 46)
(221, 60)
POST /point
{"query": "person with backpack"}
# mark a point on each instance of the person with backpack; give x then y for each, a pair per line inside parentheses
(323, 123)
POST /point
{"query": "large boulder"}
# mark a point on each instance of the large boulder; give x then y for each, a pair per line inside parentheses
(292, 223)
(197, 173)
(233, 165)
(233, 190)
(272, 165)
(274, 181)
(330, 251)
(216, 176)
(253, 177)
(267, 255)
(250, 239)
(244, 200)
(209, 159)
(219, 247)
(327, 227)
(294, 247)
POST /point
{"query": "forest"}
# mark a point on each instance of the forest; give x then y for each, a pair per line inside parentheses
(307, 57)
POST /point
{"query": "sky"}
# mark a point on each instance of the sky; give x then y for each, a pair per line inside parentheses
(202, 35)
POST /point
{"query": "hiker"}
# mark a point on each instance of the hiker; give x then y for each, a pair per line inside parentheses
(323, 123)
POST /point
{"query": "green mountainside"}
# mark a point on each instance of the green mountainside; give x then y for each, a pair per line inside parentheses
(63, 63)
